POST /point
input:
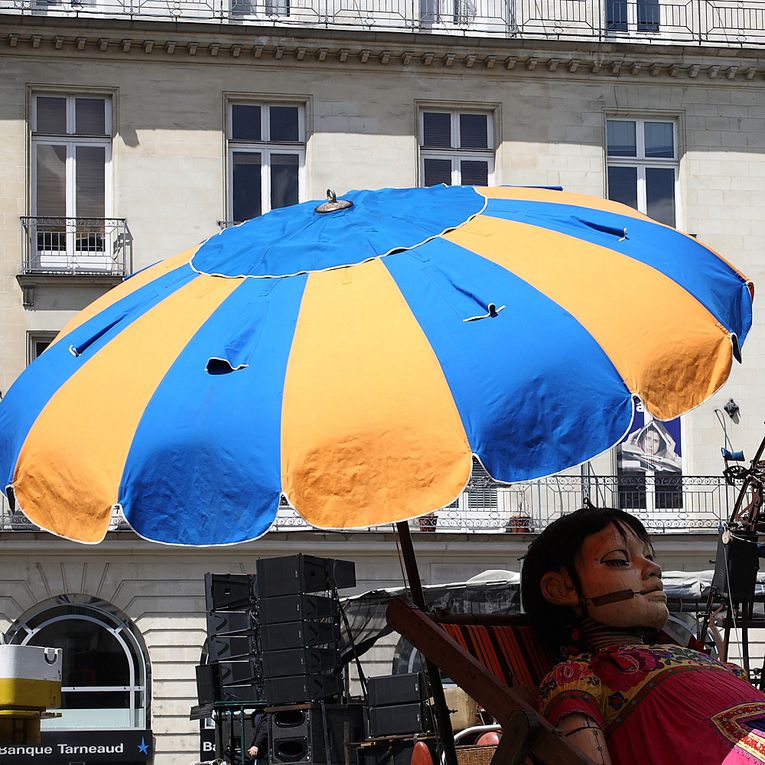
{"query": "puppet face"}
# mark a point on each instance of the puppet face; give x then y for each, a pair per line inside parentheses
(615, 559)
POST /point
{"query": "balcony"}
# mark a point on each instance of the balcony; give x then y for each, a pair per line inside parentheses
(680, 504)
(691, 504)
(96, 251)
(735, 23)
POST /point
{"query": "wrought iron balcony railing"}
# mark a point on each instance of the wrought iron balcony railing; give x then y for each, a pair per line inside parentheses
(82, 246)
(665, 504)
(736, 23)
(16, 520)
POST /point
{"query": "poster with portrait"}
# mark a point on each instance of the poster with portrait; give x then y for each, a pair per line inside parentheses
(650, 464)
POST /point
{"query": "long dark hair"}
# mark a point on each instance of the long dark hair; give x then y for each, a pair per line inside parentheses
(556, 548)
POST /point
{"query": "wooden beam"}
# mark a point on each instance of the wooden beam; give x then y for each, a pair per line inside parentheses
(499, 700)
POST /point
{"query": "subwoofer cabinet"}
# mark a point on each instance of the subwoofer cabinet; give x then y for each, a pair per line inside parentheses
(314, 733)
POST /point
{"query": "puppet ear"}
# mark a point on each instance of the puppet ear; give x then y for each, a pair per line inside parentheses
(558, 588)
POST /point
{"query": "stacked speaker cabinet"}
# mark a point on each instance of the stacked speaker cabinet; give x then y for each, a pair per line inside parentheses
(398, 705)
(233, 672)
(299, 616)
(298, 612)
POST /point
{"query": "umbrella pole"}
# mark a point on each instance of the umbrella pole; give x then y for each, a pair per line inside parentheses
(434, 676)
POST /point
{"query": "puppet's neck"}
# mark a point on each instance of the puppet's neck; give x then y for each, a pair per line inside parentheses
(594, 636)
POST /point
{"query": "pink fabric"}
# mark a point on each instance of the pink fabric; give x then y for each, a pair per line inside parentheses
(663, 705)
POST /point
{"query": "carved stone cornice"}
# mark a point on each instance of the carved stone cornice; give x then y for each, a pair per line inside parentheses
(274, 46)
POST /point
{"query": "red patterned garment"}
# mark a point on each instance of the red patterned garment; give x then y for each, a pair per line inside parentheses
(663, 705)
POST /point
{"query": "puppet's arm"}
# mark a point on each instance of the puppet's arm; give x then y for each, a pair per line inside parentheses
(585, 734)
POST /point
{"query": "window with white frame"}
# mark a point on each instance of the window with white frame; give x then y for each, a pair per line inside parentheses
(71, 179)
(266, 157)
(642, 163)
(456, 147)
(104, 681)
(636, 15)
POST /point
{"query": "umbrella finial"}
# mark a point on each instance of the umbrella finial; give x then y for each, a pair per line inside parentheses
(333, 204)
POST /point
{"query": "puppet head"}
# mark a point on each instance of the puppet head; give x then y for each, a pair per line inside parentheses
(583, 556)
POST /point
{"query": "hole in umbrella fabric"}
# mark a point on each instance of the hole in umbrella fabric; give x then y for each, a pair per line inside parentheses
(217, 366)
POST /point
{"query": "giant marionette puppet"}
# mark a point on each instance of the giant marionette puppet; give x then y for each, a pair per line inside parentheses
(591, 586)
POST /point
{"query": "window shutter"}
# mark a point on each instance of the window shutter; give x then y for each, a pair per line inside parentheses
(474, 132)
(437, 130)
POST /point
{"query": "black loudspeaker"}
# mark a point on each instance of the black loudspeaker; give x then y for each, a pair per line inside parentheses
(229, 591)
(399, 719)
(742, 566)
(342, 573)
(291, 608)
(239, 672)
(249, 692)
(293, 574)
(221, 647)
(275, 637)
(228, 622)
(297, 734)
(298, 689)
(396, 689)
(208, 683)
(386, 753)
(306, 661)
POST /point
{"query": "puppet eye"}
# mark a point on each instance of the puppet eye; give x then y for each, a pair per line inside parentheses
(617, 562)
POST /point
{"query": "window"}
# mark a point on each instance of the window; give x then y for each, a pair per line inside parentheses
(71, 178)
(456, 148)
(642, 166)
(266, 154)
(260, 7)
(642, 15)
(105, 672)
(37, 342)
(457, 12)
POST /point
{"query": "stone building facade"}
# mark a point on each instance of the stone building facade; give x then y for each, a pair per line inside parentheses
(129, 132)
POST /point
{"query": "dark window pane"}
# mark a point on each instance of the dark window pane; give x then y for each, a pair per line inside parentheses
(89, 116)
(51, 114)
(284, 123)
(622, 185)
(632, 491)
(669, 490)
(474, 173)
(51, 181)
(659, 139)
(474, 131)
(622, 138)
(246, 181)
(437, 130)
(92, 655)
(39, 346)
(438, 171)
(284, 180)
(648, 15)
(660, 194)
(245, 122)
(95, 700)
(90, 168)
(616, 15)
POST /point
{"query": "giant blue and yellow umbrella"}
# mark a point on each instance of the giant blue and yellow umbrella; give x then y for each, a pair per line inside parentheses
(355, 360)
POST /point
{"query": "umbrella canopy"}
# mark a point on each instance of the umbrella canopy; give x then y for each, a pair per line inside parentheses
(355, 360)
